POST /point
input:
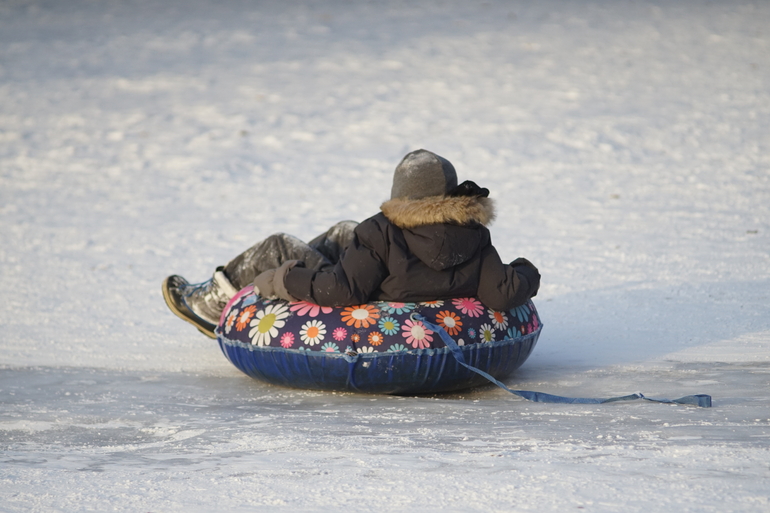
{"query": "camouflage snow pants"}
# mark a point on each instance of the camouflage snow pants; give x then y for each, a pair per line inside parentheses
(322, 252)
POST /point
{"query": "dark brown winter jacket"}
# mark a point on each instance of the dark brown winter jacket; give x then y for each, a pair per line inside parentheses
(420, 250)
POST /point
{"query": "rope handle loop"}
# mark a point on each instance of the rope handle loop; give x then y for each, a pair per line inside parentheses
(700, 400)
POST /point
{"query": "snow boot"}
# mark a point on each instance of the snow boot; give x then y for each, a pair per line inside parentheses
(199, 304)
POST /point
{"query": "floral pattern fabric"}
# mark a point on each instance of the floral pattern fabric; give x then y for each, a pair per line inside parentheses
(377, 327)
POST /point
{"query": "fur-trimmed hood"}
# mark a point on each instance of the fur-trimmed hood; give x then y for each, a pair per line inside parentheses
(442, 231)
(458, 210)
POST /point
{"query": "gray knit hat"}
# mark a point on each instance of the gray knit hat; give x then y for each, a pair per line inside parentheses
(422, 173)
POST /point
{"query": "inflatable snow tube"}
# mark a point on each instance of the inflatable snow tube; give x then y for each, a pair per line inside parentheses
(378, 347)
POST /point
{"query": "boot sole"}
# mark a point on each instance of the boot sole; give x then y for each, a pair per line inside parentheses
(185, 314)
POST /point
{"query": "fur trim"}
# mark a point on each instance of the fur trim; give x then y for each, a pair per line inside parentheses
(224, 284)
(409, 213)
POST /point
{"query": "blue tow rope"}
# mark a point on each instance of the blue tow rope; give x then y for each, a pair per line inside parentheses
(702, 400)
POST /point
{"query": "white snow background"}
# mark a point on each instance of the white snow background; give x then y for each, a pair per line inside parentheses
(627, 145)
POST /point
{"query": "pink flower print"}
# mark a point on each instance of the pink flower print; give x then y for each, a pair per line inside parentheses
(287, 340)
(339, 334)
(307, 308)
(532, 326)
(469, 306)
(417, 334)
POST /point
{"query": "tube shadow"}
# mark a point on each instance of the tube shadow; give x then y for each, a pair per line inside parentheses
(631, 324)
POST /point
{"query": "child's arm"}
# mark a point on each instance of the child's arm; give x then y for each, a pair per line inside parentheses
(501, 286)
(352, 281)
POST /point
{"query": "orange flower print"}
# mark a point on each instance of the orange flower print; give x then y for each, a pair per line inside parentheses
(450, 321)
(376, 338)
(499, 320)
(312, 332)
(244, 317)
(361, 316)
(356, 338)
(230, 322)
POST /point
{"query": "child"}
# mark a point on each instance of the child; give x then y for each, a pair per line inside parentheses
(429, 242)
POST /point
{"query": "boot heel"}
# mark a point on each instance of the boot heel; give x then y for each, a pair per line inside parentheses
(174, 299)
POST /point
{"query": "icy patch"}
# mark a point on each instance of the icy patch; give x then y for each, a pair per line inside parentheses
(286, 446)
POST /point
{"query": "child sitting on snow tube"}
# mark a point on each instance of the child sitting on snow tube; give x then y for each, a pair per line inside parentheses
(429, 242)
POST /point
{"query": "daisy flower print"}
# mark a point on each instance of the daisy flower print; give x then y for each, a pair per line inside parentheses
(389, 325)
(339, 334)
(311, 309)
(417, 334)
(397, 308)
(244, 317)
(330, 347)
(469, 306)
(450, 321)
(499, 320)
(287, 340)
(376, 338)
(361, 316)
(521, 312)
(486, 333)
(267, 322)
(230, 321)
(312, 332)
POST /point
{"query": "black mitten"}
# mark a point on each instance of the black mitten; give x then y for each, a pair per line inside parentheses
(469, 188)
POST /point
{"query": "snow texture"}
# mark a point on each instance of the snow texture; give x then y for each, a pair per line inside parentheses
(627, 145)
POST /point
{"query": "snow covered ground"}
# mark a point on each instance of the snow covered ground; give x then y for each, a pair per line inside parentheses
(627, 145)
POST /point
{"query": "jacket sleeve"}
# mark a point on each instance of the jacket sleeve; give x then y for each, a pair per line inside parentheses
(501, 286)
(359, 272)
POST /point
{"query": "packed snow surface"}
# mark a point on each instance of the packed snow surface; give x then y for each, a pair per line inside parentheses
(627, 145)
